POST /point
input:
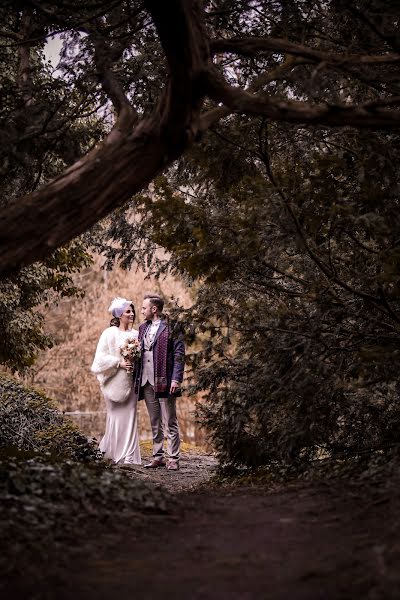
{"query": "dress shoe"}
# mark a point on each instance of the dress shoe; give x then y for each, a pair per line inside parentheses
(173, 465)
(155, 463)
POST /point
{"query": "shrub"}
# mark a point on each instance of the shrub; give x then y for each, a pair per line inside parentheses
(51, 509)
(30, 421)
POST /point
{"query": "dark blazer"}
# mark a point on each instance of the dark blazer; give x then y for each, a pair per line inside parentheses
(175, 359)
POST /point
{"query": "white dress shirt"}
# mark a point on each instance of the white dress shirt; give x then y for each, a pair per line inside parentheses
(151, 333)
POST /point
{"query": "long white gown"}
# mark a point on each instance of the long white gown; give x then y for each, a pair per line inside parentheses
(121, 439)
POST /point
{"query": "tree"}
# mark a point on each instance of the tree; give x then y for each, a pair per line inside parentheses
(210, 59)
(45, 126)
(25, 297)
(283, 214)
(292, 238)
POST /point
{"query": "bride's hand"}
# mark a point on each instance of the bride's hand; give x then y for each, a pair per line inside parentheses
(126, 364)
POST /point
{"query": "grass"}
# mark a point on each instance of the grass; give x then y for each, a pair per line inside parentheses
(146, 448)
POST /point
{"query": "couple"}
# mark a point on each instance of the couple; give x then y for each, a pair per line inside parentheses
(156, 376)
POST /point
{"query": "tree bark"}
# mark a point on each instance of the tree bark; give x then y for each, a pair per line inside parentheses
(368, 115)
(125, 162)
(136, 151)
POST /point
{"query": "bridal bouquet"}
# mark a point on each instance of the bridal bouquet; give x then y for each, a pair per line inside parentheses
(131, 349)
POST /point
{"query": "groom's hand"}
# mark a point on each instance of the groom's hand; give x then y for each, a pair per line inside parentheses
(175, 386)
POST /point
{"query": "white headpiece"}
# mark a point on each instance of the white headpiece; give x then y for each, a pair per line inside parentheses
(118, 305)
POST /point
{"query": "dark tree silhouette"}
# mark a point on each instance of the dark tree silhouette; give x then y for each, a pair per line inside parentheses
(172, 70)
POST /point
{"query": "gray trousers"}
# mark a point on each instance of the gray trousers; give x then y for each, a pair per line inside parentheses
(162, 413)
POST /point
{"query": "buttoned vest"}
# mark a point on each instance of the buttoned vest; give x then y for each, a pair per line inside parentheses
(148, 360)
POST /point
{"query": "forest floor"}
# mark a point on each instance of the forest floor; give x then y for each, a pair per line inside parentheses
(291, 542)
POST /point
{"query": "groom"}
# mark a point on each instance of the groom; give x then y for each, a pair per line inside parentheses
(159, 378)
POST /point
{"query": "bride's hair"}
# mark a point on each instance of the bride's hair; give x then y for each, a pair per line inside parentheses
(115, 320)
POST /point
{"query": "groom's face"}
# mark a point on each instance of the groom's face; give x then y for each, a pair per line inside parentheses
(147, 310)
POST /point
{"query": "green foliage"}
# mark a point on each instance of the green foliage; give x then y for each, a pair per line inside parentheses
(24, 298)
(304, 361)
(45, 124)
(48, 504)
(295, 258)
(30, 421)
(291, 234)
(54, 487)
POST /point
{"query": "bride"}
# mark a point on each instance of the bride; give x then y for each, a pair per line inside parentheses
(121, 440)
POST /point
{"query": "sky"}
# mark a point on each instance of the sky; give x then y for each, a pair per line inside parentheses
(52, 49)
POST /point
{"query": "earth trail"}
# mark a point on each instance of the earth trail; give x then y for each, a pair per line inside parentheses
(303, 542)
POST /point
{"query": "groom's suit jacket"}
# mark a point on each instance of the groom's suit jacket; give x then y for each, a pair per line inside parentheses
(168, 359)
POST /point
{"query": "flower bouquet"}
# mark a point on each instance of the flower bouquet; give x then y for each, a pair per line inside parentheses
(131, 350)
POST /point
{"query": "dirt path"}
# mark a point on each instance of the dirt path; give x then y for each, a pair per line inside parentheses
(196, 467)
(303, 542)
(298, 543)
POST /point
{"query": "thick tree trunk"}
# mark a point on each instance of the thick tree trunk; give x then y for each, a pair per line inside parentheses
(126, 161)
(83, 195)
(135, 152)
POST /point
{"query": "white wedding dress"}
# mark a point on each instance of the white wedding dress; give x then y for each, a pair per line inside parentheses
(121, 439)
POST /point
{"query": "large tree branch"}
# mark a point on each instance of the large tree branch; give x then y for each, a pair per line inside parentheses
(364, 115)
(213, 115)
(125, 162)
(188, 65)
(104, 59)
(250, 46)
(133, 154)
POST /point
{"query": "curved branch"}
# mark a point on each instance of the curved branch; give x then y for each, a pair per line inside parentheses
(134, 153)
(126, 161)
(212, 116)
(249, 46)
(127, 115)
(188, 67)
(363, 115)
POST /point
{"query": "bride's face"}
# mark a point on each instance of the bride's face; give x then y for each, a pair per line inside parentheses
(127, 316)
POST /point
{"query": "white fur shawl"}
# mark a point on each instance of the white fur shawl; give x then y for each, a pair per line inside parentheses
(108, 356)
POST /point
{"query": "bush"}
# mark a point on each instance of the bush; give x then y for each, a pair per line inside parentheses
(30, 421)
(55, 492)
(50, 510)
